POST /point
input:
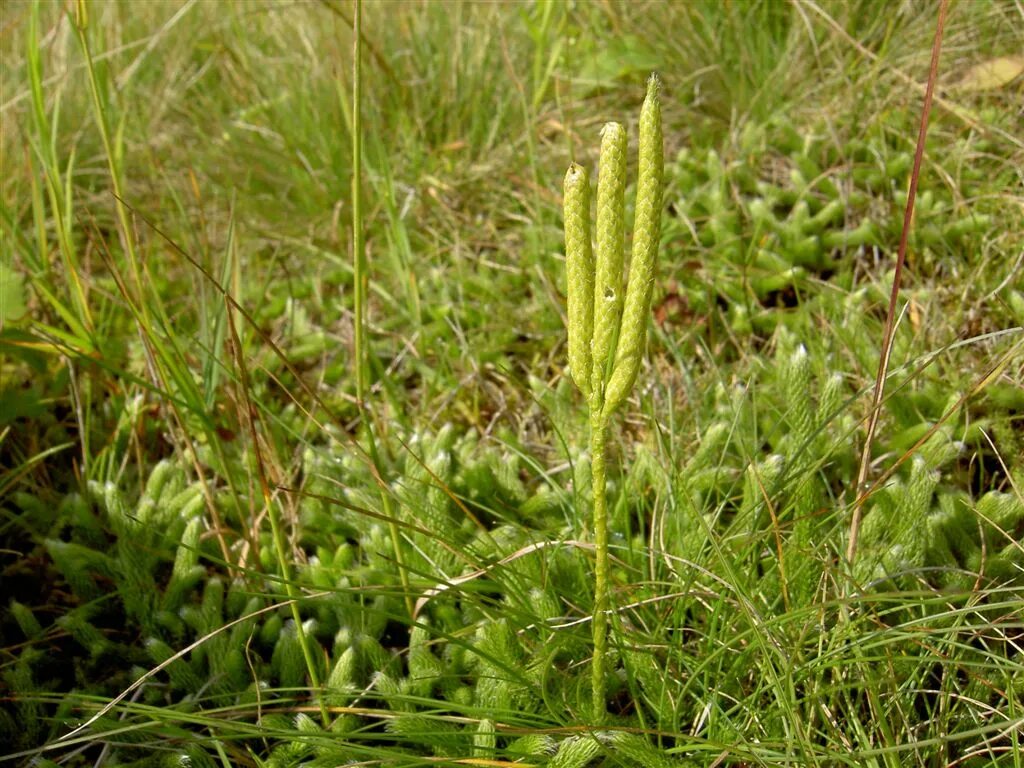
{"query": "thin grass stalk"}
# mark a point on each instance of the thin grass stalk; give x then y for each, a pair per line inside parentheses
(358, 240)
(47, 155)
(890, 316)
(361, 286)
(276, 529)
(81, 27)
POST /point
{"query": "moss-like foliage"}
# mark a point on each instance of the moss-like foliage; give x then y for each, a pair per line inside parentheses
(736, 618)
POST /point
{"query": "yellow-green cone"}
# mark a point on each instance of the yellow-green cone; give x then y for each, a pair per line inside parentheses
(611, 235)
(579, 269)
(646, 233)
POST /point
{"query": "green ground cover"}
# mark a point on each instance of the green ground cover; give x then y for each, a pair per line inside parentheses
(212, 556)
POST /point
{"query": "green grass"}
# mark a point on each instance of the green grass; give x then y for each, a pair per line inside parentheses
(198, 523)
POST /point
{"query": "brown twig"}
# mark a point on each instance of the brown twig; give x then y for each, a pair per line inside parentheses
(890, 317)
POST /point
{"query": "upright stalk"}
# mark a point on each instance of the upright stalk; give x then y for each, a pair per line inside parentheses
(276, 528)
(607, 330)
(894, 294)
(361, 285)
(601, 602)
(358, 242)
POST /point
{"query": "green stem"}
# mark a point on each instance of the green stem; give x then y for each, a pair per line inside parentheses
(278, 535)
(113, 155)
(600, 619)
(358, 245)
(361, 286)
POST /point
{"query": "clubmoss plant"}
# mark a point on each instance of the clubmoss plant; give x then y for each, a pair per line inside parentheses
(607, 330)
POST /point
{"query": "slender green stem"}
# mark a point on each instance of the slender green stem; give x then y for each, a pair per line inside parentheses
(113, 154)
(358, 243)
(58, 193)
(600, 623)
(361, 280)
(389, 513)
(277, 531)
(278, 535)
